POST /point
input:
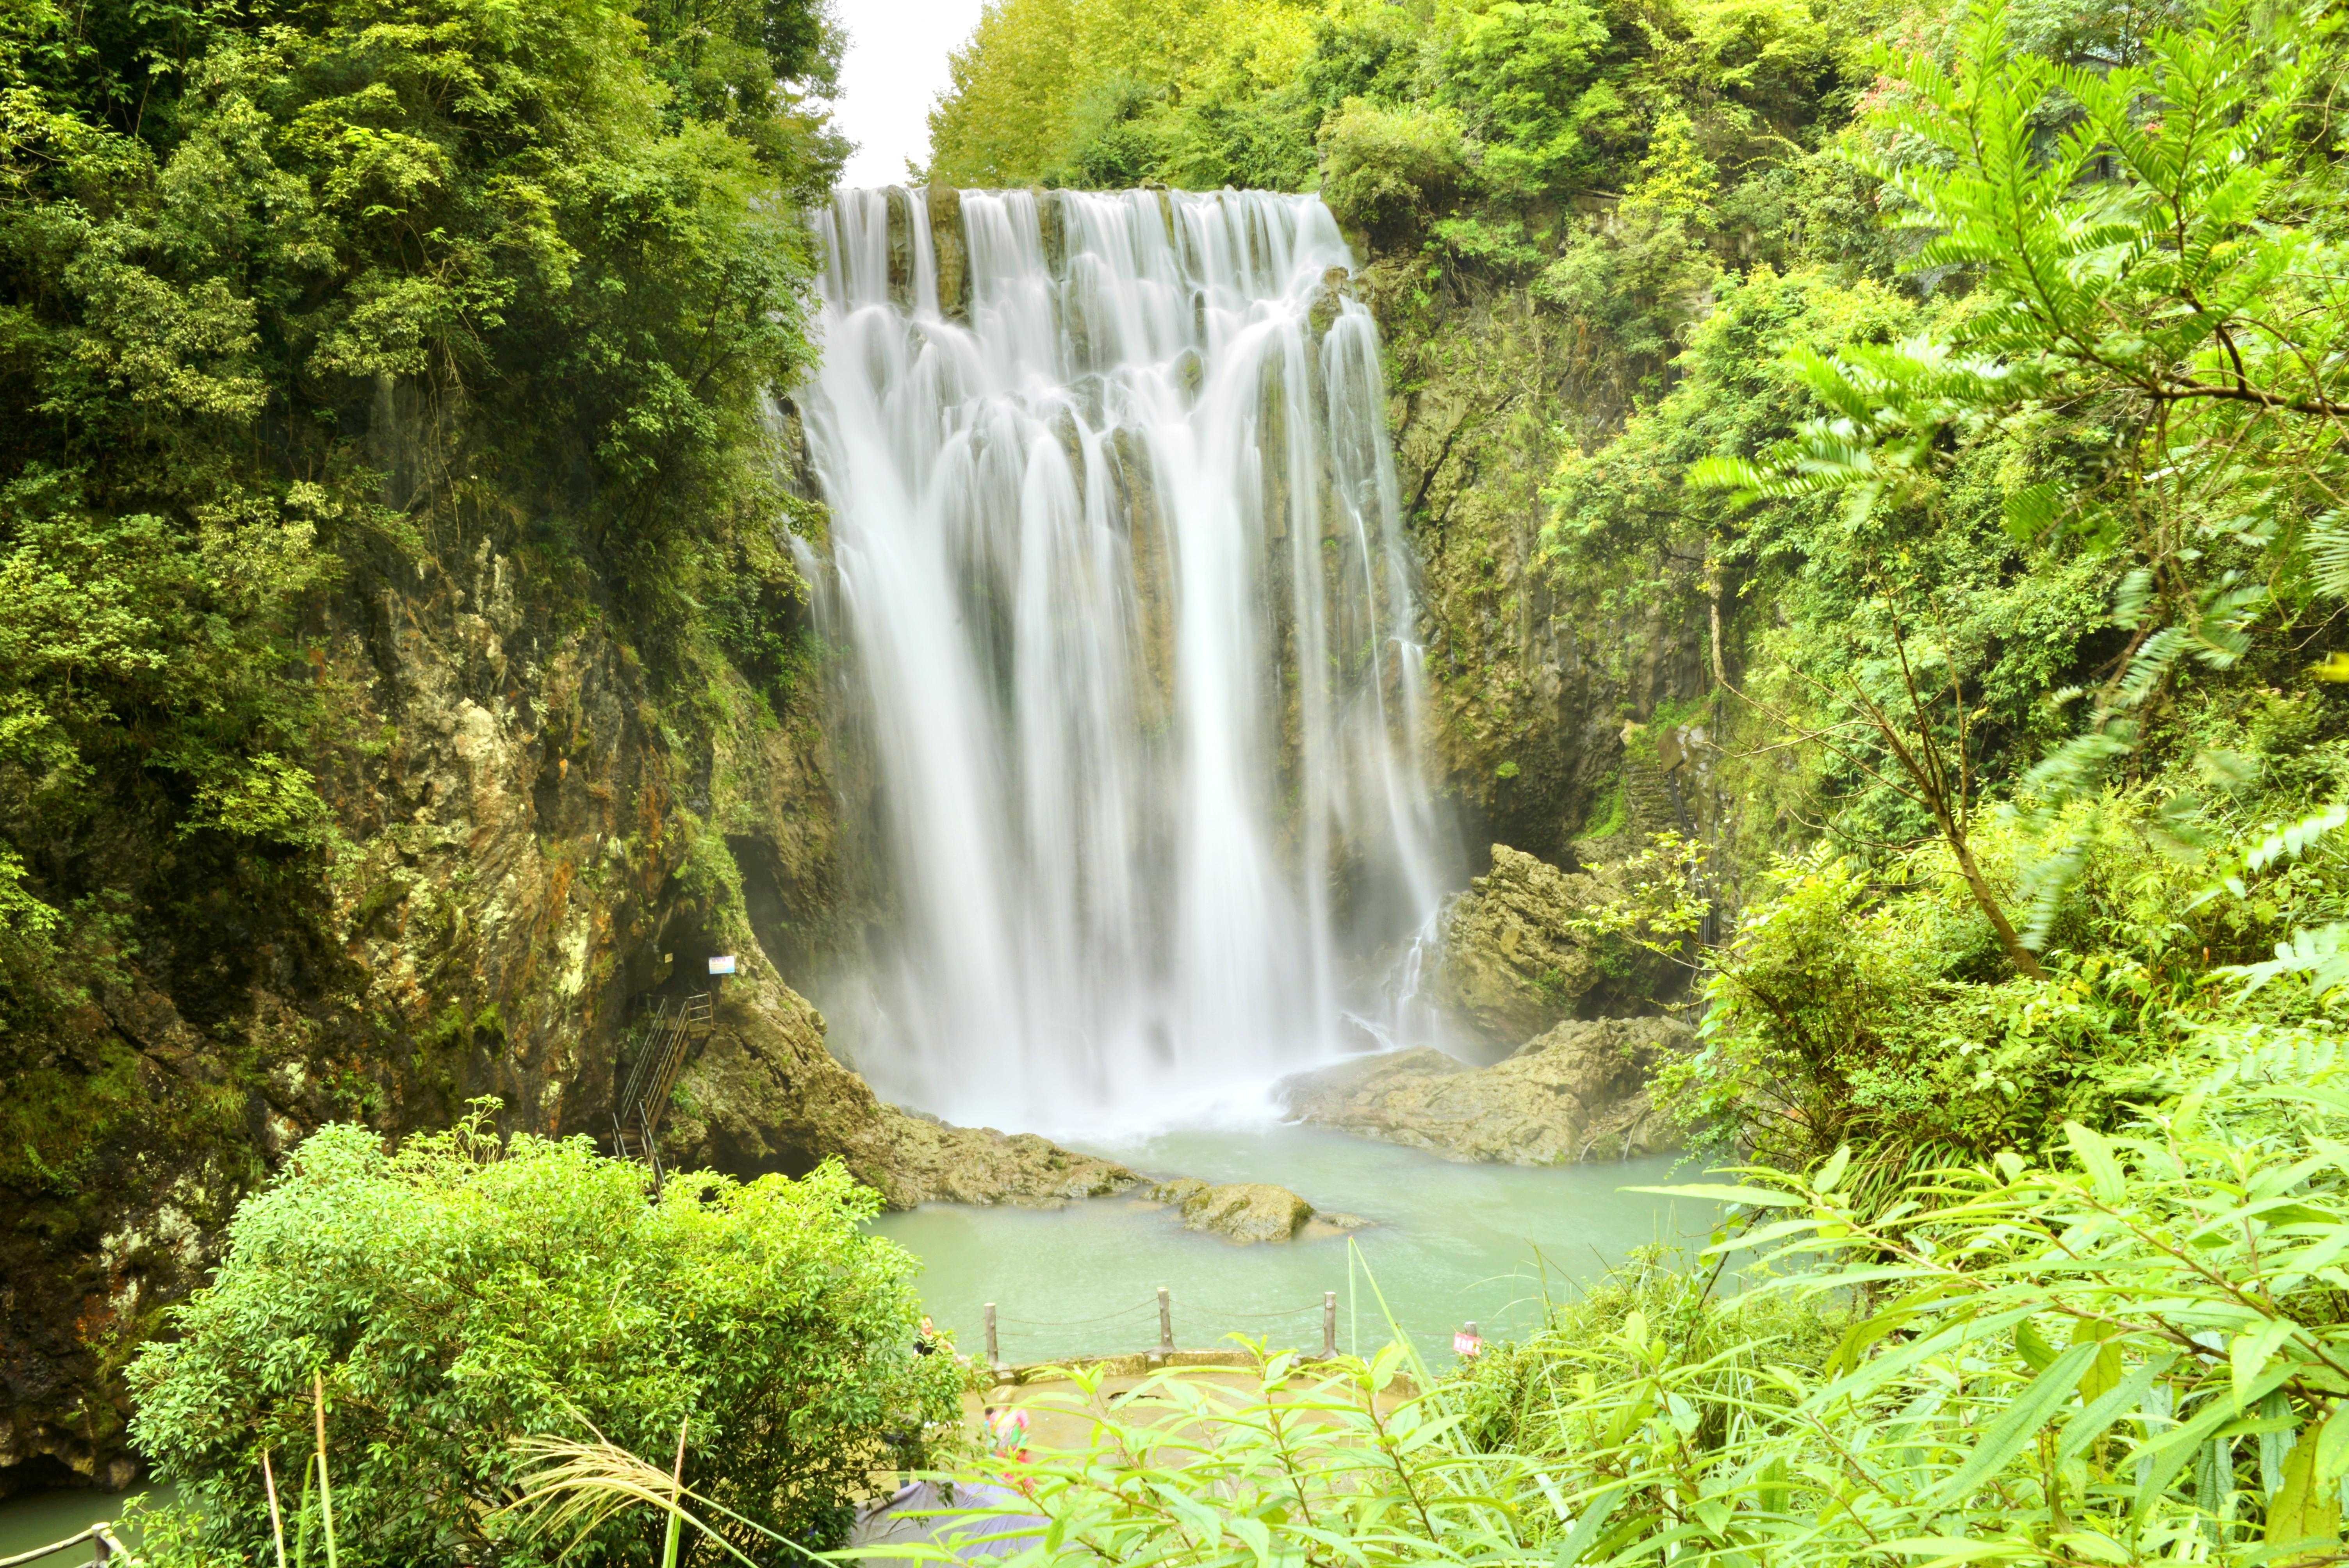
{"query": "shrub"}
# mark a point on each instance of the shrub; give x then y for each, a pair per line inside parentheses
(1385, 170)
(459, 1295)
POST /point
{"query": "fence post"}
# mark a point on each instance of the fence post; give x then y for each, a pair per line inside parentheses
(99, 1555)
(993, 1359)
(1165, 1324)
(1328, 1325)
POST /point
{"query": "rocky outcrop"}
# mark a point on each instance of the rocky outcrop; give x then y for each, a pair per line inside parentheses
(1511, 962)
(531, 844)
(1579, 1092)
(1247, 1211)
(763, 1095)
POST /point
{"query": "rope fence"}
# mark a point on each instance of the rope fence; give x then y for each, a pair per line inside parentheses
(1078, 1322)
(1465, 1341)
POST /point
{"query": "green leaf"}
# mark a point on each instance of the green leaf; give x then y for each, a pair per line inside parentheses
(2161, 1459)
(2248, 1355)
(2307, 1508)
(2333, 1447)
(1755, 1197)
(1953, 1549)
(2105, 1408)
(1586, 1529)
(2108, 1368)
(2013, 1431)
(1860, 1336)
(2096, 1156)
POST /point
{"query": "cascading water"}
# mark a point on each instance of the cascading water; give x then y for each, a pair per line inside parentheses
(1116, 556)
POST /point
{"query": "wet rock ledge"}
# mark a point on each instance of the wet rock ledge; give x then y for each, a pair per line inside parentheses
(1579, 1092)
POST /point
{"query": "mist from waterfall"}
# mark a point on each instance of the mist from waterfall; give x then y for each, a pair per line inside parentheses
(1117, 569)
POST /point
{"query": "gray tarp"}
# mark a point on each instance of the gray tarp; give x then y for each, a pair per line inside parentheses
(966, 1523)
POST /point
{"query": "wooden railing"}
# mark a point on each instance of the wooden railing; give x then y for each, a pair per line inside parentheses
(1467, 1342)
(105, 1548)
(1165, 1347)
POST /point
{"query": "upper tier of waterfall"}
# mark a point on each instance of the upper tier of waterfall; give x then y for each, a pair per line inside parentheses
(1117, 567)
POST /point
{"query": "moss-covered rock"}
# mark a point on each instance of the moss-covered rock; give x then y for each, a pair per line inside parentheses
(1242, 1212)
(1512, 962)
(763, 1094)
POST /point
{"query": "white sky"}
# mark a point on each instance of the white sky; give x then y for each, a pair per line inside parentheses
(896, 63)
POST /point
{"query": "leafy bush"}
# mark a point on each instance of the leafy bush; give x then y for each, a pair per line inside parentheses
(1518, 70)
(1387, 169)
(458, 1296)
(1540, 1397)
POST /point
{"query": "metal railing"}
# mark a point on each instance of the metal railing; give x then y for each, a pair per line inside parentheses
(637, 1114)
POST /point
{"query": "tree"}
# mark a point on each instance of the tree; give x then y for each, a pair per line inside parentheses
(461, 1295)
(2155, 245)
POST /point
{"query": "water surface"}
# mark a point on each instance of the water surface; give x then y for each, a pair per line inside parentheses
(1448, 1245)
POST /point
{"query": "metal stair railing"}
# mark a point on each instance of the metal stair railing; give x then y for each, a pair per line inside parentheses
(635, 1117)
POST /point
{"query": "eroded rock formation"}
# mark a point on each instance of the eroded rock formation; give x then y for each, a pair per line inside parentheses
(1578, 1092)
(763, 1094)
(1513, 962)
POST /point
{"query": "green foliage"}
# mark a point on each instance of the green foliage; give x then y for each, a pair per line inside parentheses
(1110, 92)
(1387, 169)
(298, 294)
(1562, 1390)
(1522, 70)
(459, 1296)
(2170, 262)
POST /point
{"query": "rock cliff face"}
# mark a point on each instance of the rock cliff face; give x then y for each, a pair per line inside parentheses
(537, 836)
(1579, 1092)
(1533, 666)
(1511, 962)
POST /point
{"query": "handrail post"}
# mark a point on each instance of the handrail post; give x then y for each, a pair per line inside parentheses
(1328, 1325)
(1165, 1324)
(100, 1554)
(994, 1357)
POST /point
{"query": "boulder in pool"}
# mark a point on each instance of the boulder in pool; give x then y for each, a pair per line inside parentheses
(1244, 1212)
(1579, 1092)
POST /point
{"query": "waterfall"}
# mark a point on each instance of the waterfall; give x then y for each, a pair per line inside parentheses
(1117, 570)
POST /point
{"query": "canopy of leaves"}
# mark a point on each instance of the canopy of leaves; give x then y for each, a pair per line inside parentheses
(457, 1296)
(299, 288)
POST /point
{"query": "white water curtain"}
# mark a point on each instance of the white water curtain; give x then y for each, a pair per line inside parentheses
(1126, 610)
